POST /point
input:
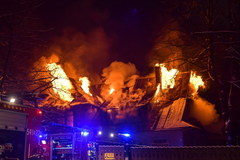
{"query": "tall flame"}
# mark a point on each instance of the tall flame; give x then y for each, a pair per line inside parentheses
(168, 76)
(85, 85)
(196, 81)
(60, 81)
(156, 100)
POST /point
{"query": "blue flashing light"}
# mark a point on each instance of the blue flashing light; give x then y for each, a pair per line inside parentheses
(99, 133)
(126, 135)
(40, 136)
(85, 133)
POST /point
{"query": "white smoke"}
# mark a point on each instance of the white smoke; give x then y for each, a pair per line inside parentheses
(204, 111)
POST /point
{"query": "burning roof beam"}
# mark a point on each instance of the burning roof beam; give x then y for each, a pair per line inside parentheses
(60, 81)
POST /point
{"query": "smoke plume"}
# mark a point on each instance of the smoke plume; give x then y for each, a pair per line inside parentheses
(203, 111)
(118, 76)
(80, 52)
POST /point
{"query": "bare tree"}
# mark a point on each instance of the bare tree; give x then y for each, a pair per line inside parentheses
(19, 33)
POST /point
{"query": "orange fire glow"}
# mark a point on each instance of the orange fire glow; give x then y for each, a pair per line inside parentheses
(111, 91)
(85, 85)
(157, 65)
(157, 90)
(196, 81)
(155, 99)
(60, 81)
(168, 76)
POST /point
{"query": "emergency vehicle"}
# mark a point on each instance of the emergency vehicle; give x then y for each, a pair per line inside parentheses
(19, 131)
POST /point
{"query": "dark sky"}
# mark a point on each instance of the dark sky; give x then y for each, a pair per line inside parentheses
(131, 25)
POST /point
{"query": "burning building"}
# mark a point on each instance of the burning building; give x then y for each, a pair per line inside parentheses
(167, 99)
(122, 93)
(164, 103)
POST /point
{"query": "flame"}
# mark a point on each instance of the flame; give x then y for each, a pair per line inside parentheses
(61, 83)
(111, 91)
(155, 99)
(85, 85)
(157, 65)
(168, 76)
(196, 81)
(157, 90)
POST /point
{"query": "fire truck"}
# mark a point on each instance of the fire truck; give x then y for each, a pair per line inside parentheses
(19, 130)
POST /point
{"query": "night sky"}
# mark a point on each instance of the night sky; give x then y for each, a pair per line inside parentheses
(130, 26)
